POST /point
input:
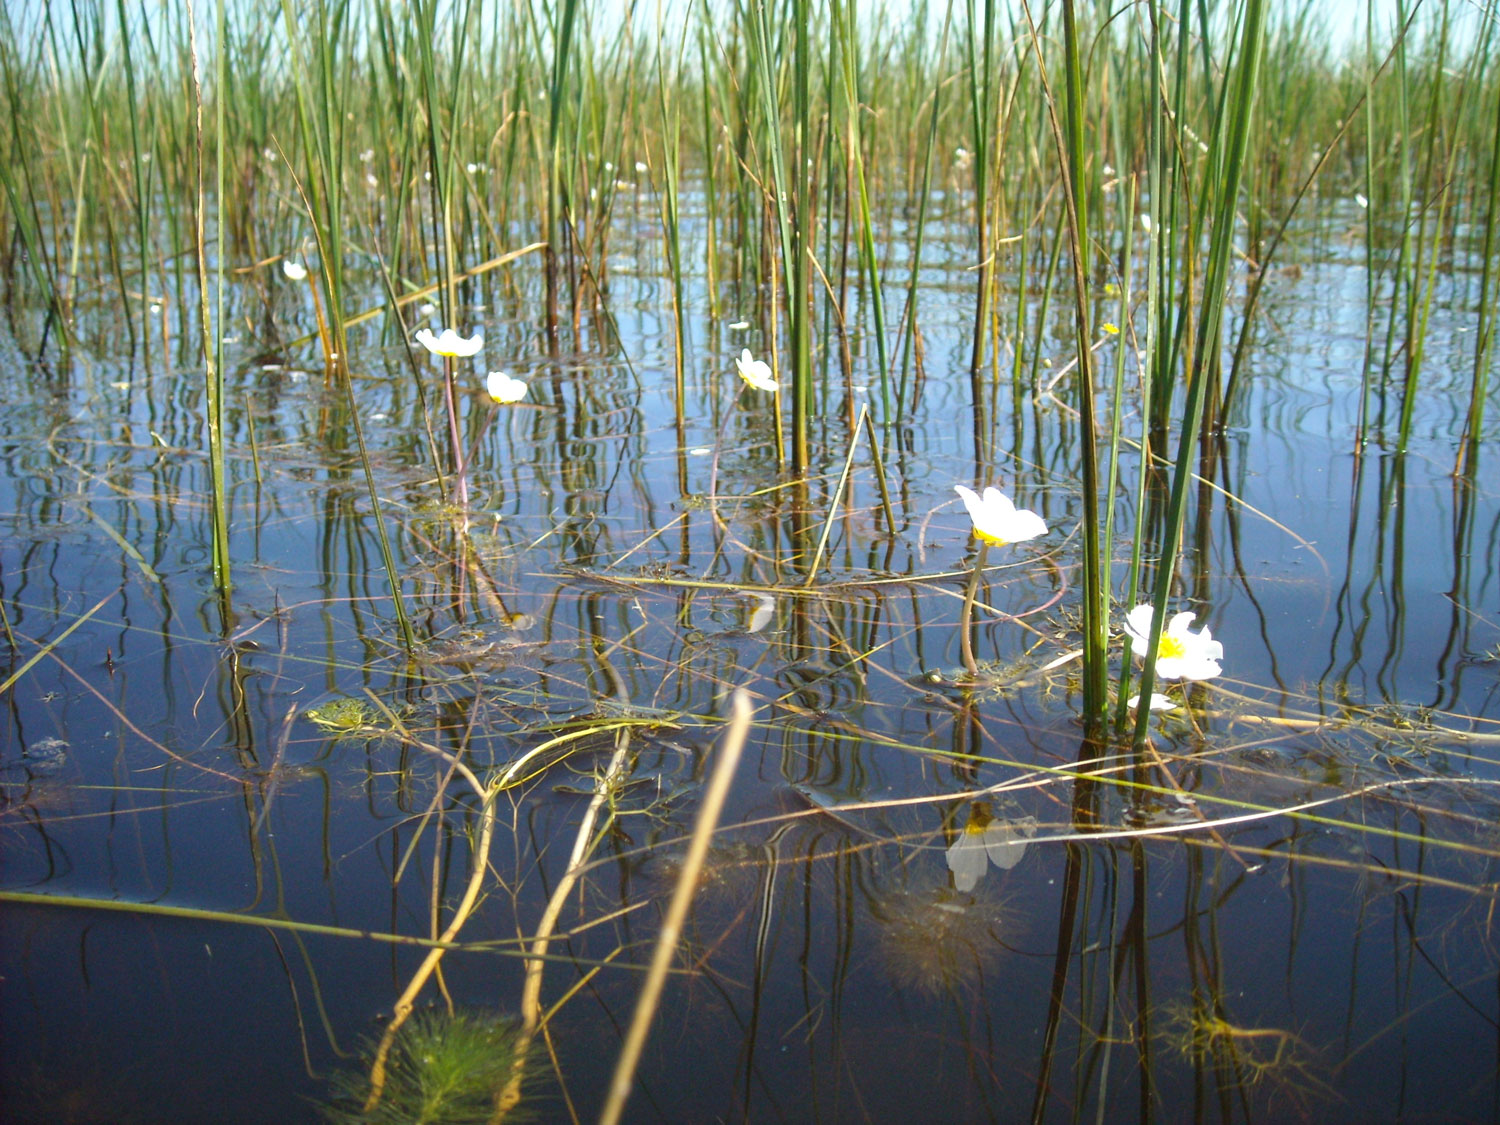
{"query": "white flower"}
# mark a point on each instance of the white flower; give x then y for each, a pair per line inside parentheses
(640, 167)
(1181, 655)
(756, 372)
(1158, 702)
(1359, 197)
(471, 168)
(295, 271)
(505, 388)
(765, 610)
(984, 841)
(997, 520)
(449, 342)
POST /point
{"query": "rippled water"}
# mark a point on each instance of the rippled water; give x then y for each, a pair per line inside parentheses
(1324, 948)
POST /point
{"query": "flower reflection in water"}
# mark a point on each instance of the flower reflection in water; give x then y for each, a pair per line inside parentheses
(934, 941)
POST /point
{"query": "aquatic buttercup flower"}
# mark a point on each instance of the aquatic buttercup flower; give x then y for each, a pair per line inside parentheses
(1158, 702)
(505, 388)
(756, 372)
(449, 342)
(295, 271)
(996, 518)
(983, 841)
(1182, 655)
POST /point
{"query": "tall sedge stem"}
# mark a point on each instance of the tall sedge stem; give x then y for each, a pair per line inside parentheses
(1070, 146)
(1240, 107)
(212, 337)
(1484, 336)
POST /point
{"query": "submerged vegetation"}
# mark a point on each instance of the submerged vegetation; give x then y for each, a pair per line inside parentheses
(425, 418)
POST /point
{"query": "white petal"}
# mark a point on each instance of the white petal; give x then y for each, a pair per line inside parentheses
(1138, 626)
(765, 609)
(756, 372)
(1005, 843)
(967, 860)
(505, 388)
(1178, 626)
(449, 342)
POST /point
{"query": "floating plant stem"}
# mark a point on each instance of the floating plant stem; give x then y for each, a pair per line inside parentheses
(682, 896)
(531, 1012)
(479, 869)
(838, 492)
(52, 644)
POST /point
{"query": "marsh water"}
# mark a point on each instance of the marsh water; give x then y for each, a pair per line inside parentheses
(1284, 910)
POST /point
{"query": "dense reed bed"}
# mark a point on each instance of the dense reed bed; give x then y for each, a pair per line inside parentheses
(766, 280)
(405, 150)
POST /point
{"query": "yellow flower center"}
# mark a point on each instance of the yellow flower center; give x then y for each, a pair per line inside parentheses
(992, 540)
(1171, 648)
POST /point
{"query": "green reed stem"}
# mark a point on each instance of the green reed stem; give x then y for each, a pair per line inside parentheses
(1423, 277)
(1484, 337)
(877, 461)
(1070, 142)
(671, 119)
(228, 918)
(846, 37)
(791, 196)
(209, 322)
(1231, 139)
(562, 51)
(909, 334)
